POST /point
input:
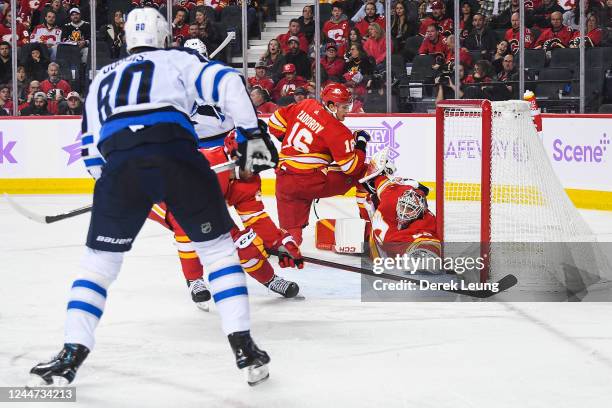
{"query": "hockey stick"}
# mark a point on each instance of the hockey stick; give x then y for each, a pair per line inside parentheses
(49, 219)
(503, 284)
(230, 36)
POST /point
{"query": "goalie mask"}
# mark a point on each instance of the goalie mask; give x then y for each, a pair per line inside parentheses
(380, 164)
(410, 206)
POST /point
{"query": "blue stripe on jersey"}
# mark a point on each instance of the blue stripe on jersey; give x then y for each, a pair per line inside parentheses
(96, 161)
(87, 140)
(198, 83)
(114, 125)
(83, 283)
(218, 77)
(225, 271)
(207, 144)
(86, 307)
(224, 294)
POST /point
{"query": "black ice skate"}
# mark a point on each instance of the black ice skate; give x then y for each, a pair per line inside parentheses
(249, 358)
(283, 287)
(199, 293)
(62, 369)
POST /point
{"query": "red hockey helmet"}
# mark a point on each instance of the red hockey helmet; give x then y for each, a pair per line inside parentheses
(336, 93)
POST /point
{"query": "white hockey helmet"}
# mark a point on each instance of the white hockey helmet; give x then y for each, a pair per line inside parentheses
(146, 27)
(380, 164)
(198, 45)
(410, 206)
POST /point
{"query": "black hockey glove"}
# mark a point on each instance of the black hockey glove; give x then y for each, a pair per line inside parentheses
(255, 150)
(361, 139)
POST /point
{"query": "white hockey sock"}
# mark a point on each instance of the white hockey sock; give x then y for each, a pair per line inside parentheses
(227, 282)
(88, 295)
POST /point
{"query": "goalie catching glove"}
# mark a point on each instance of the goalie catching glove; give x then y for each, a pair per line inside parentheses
(256, 152)
(289, 255)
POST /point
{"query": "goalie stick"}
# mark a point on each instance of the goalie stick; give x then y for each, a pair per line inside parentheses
(503, 284)
(49, 219)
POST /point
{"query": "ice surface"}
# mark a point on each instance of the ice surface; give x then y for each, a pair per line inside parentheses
(156, 349)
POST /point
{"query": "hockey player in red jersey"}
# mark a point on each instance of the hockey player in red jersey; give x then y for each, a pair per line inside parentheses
(313, 137)
(400, 220)
(260, 232)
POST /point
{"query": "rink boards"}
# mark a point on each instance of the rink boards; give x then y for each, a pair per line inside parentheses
(42, 155)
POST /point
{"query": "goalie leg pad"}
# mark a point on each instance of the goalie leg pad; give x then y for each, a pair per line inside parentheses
(344, 235)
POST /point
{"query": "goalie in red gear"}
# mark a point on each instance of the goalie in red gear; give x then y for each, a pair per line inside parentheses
(319, 157)
(260, 232)
(401, 221)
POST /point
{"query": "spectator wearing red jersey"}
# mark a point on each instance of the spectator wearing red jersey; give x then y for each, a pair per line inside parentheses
(337, 28)
(30, 12)
(332, 63)
(376, 46)
(180, 28)
(593, 36)
(513, 34)
(260, 97)
(371, 16)
(464, 55)
(437, 18)
(433, 42)
(54, 81)
(47, 33)
(261, 79)
(289, 82)
(293, 32)
(23, 35)
(557, 36)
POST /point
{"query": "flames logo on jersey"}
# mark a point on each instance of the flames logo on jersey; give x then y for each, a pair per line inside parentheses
(76, 36)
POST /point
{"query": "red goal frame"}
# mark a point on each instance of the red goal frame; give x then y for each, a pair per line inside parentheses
(485, 192)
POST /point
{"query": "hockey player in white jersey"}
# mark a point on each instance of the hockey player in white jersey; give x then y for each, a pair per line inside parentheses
(140, 145)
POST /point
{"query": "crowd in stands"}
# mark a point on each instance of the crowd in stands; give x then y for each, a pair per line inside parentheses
(53, 39)
(353, 47)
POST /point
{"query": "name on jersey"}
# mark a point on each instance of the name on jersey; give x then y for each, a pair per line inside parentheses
(310, 122)
(131, 58)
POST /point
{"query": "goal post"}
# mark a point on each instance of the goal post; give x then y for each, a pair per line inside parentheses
(496, 188)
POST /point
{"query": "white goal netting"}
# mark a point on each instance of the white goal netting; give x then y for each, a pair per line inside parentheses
(535, 230)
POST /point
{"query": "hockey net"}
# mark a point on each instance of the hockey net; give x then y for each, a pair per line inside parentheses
(496, 188)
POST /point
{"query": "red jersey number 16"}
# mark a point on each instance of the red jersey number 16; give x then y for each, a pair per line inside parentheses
(299, 139)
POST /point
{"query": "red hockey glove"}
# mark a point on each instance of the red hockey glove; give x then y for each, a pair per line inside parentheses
(289, 255)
